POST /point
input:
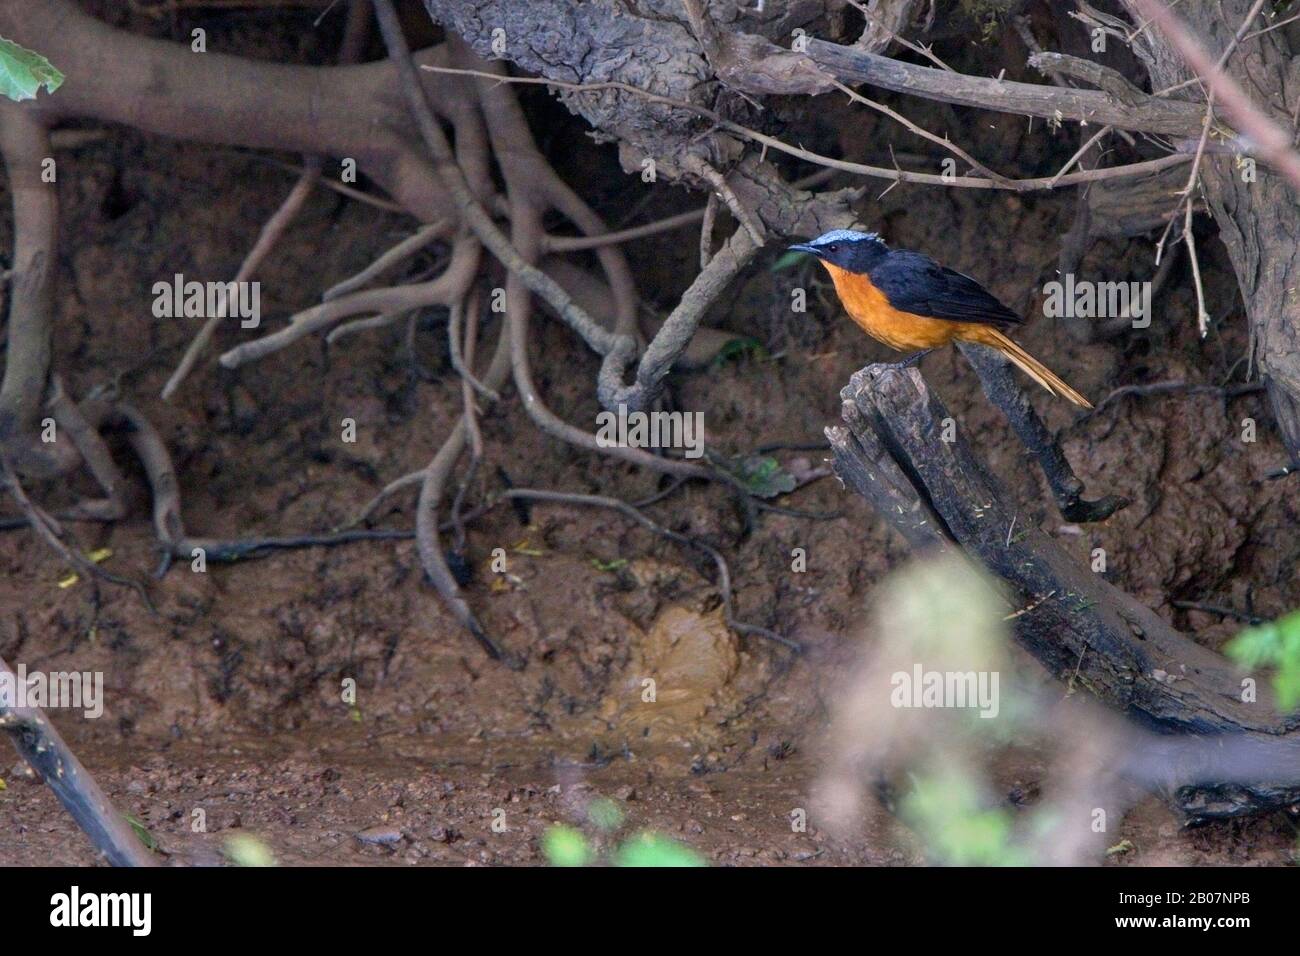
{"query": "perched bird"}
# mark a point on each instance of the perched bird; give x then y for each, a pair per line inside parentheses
(910, 302)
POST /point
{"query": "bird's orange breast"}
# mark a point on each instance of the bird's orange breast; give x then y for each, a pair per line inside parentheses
(870, 309)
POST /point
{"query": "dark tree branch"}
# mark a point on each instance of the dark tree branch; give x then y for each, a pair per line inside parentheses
(1078, 625)
(1098, 107)
(43, 748)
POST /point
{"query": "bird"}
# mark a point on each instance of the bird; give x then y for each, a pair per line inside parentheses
(913, 304)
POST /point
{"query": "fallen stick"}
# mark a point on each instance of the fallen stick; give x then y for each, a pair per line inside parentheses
(43, 748)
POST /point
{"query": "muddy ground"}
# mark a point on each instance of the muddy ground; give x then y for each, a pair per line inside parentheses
(230, 701)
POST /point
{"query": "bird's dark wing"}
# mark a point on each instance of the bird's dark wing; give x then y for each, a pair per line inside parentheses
(917, 284)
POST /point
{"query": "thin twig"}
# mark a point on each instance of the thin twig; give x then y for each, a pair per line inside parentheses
(1172, 388)
(940, 141)
(879, 172)
(555, 243)
(724, 191)
(1271, 142)
(706, 230)
(1081, 152)
(48, 531)
(1202, 314)
(917, 48)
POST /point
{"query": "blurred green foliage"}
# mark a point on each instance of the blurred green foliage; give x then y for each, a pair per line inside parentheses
(654, 849)
(564, 845)
(243, 849)
(1276, 646)
(947, 811)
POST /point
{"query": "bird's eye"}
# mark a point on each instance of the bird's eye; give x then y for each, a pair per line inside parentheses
(833, 248)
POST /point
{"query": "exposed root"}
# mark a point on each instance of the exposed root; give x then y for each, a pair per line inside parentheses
(49, 531)
(447, 288)
(266, 240)
(25, 144)
(408, 247)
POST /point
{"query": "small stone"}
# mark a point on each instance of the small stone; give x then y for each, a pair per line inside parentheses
(380, 836)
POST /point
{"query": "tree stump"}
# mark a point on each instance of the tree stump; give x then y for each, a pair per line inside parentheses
(1213, 754)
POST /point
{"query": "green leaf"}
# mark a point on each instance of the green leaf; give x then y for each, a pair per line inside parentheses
(1255, 646)
(653, 849)
(142, 832)
(608, 566)
(565, 846)
(762, 476)
(23, 72)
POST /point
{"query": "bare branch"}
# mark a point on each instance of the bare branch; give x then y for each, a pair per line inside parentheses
(850, 65)
(1269, 140)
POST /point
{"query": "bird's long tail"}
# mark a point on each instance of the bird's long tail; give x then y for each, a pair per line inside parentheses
(1040, 373)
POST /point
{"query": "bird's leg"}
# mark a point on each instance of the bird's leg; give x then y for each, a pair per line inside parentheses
(912, 361)
(1004, 391)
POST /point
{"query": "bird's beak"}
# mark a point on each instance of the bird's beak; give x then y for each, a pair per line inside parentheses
(804, 247)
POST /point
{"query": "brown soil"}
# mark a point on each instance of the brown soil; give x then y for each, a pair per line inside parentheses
(230, 700)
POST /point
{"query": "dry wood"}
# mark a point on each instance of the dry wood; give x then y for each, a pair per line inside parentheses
(1083, 629)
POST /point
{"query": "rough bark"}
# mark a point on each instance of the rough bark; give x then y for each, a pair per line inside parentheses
(1083, 629)
(1259, 222)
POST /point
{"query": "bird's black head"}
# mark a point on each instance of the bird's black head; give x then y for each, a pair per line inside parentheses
(854, 251)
